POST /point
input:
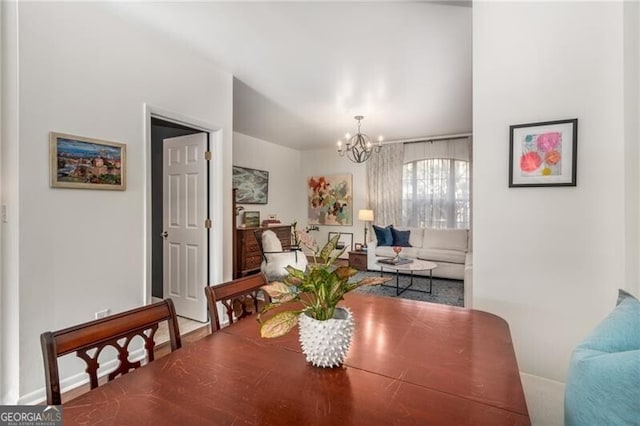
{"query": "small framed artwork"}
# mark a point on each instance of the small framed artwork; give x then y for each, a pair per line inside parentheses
(357, 247)
(345, 240)
(543, 154)
(252, 185)
(251, 219)
(86, 163)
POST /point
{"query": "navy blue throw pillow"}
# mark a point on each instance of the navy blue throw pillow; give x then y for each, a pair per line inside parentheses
(383, 235)
(400, 238)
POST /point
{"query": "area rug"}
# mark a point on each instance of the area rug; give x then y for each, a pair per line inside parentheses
(445, 291)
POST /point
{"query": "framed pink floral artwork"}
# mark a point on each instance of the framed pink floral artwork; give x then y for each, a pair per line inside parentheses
(543, 154)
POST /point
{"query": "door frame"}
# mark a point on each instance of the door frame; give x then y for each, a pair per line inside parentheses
(215, 194)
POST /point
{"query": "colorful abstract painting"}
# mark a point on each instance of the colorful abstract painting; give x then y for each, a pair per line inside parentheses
(330, 200)
(543, 154)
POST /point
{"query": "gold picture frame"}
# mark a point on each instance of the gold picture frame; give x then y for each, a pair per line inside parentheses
(79, 162)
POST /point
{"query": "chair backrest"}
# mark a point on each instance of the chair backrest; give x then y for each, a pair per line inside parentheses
(241, 290)
(258, 236)
(108, 331)
(270, 242)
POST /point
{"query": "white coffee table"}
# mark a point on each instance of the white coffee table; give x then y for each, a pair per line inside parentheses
(416, 265)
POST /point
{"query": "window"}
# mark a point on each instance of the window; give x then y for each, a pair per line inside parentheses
(435, 193)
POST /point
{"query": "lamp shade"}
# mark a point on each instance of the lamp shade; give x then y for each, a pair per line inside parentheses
(365, 215)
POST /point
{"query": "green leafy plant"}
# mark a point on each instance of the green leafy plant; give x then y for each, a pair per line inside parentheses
(318, 289)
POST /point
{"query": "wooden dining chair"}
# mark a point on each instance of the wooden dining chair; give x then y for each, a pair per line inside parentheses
(237, 294)
(117, 331)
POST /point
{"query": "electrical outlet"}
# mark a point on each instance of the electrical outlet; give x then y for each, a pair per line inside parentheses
(103, 313)
(3, 213)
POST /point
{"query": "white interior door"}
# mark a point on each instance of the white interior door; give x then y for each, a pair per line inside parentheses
(185, 231)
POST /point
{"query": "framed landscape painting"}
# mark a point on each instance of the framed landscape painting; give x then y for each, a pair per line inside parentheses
(543, 154)
(252, 185)
(330, 200)
(86, 163)
(251, 219)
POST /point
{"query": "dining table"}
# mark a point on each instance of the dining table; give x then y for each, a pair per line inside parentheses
(409, 363)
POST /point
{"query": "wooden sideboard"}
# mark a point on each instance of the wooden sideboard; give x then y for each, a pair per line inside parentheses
(248, 256)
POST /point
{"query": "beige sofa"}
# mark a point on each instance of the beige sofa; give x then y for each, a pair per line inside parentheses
(448, 248)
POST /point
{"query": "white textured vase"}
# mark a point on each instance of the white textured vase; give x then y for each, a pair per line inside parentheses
(325, 343)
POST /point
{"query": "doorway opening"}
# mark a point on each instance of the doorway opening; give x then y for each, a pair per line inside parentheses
(160, 130)
(184, 210)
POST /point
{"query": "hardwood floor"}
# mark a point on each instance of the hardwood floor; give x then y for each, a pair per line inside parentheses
(185, 325)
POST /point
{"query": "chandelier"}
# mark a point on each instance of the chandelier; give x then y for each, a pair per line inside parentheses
(359, 147)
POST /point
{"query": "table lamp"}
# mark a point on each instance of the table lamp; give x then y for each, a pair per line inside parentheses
(365, 216)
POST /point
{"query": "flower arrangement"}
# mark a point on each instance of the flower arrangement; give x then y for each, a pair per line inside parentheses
(296, 234)
(318, 289)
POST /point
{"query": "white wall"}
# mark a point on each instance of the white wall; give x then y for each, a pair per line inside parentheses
(85, 71)
(327, 162)
(549, 260)
(288, 173)
(283, 165)
(9, 302)
(631, 71)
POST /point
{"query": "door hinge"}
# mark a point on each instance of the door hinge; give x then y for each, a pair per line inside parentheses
(207, 223)
(207, 155)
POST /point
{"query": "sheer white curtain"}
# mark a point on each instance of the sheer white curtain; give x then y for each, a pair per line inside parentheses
(384, 178)
(435, 184)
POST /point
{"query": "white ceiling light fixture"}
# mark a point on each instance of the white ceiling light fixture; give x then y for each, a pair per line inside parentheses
(359, 147)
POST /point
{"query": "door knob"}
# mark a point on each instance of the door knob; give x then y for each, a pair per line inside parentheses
(164, 235)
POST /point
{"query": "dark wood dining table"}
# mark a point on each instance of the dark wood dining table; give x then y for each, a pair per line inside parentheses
(410, 362)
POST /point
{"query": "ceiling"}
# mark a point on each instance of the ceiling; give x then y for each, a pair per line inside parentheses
(303, 70)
